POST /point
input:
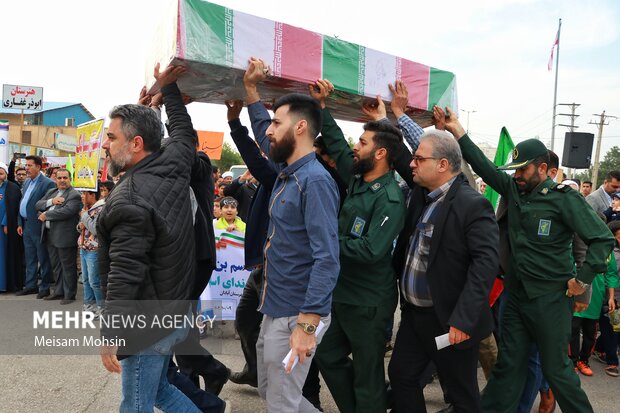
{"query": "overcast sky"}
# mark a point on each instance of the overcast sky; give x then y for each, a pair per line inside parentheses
(94, 52)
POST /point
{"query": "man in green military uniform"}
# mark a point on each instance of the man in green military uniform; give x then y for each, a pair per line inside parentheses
(542, 218)
(365, 296)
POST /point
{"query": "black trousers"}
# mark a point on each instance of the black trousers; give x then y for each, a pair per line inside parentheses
(64, 267)
(415, 348)
(588, 326)
(248, 320)
(247, 323)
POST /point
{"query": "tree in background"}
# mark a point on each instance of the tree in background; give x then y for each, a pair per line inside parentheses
(230, 157)
(611, 162)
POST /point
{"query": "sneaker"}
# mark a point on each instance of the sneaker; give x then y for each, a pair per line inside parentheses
(612, 371)
(584, 368)
(600, 357)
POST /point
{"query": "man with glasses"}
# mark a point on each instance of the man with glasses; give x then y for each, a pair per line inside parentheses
(600, 199)
(60, 212)
(446, 258)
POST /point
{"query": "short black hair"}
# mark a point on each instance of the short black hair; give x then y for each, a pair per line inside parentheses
(37, 160)
(107, 184)
(386, 136)
(613, 175)
(97, 194)
(614, 226)
(19, 168)
(587, 182)
(542, 159)
(554, 161)
(319, 143)
(303, 107)
(138, 120)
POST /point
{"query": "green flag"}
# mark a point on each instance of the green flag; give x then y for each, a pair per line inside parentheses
(70, 169)
(504, 150)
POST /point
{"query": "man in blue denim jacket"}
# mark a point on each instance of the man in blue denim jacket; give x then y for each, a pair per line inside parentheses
(301, 253)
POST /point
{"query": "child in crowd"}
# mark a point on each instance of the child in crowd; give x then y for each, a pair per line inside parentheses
(104, 188)
(229, 220)
(217, 212)
(88, 246)
(606, 350)
(613, 212)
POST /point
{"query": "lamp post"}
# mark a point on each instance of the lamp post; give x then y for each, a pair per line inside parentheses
(468, 112)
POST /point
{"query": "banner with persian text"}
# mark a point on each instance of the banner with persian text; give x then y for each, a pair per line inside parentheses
(229, 277)
(88, 155)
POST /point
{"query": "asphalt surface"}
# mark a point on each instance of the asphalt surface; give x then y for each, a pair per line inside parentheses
(79, 383)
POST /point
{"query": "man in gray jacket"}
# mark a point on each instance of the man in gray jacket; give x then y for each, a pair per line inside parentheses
(600, 199)
(59, 210)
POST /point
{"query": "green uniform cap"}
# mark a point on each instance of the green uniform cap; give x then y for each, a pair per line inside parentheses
(524, 153)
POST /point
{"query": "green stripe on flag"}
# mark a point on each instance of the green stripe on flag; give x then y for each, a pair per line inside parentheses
(213, 24)
(440, 82)
(341, 64)
(232, 236)
(504, 149)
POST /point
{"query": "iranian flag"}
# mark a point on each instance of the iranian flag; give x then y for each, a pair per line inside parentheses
(504, 149)
(556, 43)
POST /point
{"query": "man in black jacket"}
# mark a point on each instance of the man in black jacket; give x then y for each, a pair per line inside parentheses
(147, 246)
(446, 259)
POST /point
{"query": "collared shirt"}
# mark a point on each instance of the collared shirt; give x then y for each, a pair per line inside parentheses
(411, 131)
(301, 251)
(22, 206)
(51, 206)
(414, 282)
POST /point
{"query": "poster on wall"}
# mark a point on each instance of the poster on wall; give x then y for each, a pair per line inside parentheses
(88, 155)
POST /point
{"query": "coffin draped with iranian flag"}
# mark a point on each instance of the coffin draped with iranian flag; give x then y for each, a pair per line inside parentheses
(216, 42)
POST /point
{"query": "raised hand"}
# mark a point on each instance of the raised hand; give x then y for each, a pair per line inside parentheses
(320, 90)
(170, 75)
(234, 109)
(375, 110)
(400, 98)
(144, 99)
(256, 72)
(452, 121)
(439, 118)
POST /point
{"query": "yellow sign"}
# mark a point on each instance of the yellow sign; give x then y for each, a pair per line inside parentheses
(88, 154)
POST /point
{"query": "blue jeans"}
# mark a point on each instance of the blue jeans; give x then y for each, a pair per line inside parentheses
(36, 254)
(145, 381)
(90, 276)
(534, 383)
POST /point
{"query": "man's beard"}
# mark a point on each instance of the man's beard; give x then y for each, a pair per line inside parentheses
(117, 165)
(363, 165)
(281, 151)
(530, 184)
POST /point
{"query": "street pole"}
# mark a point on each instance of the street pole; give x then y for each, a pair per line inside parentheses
(468, 112)
(597, 154)
(572, 127)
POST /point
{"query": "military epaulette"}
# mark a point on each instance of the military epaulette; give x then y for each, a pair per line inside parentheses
(393, 192)
(561, 188)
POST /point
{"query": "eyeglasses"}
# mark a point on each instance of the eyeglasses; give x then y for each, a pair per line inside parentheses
(419, 159)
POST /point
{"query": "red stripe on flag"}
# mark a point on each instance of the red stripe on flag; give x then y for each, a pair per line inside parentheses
(301, 54)
(416, 77)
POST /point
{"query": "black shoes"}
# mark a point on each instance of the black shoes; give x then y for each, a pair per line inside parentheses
(27, 291)
(66, 301)
(43, 294)
(214, 386)
(53, 297)
(244, 377)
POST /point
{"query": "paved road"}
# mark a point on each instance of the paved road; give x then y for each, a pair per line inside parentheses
(71, 383)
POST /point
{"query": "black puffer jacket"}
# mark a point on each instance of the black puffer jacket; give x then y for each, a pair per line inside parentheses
(146, 235)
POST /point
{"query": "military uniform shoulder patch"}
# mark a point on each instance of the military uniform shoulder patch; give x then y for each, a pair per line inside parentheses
(358, 227)
(376, 186)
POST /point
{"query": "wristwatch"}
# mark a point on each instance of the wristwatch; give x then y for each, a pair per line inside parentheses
(307, 327)
(582, 284)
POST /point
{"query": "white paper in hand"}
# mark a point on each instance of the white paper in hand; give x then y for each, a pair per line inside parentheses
(320, 327)
(442, 341)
